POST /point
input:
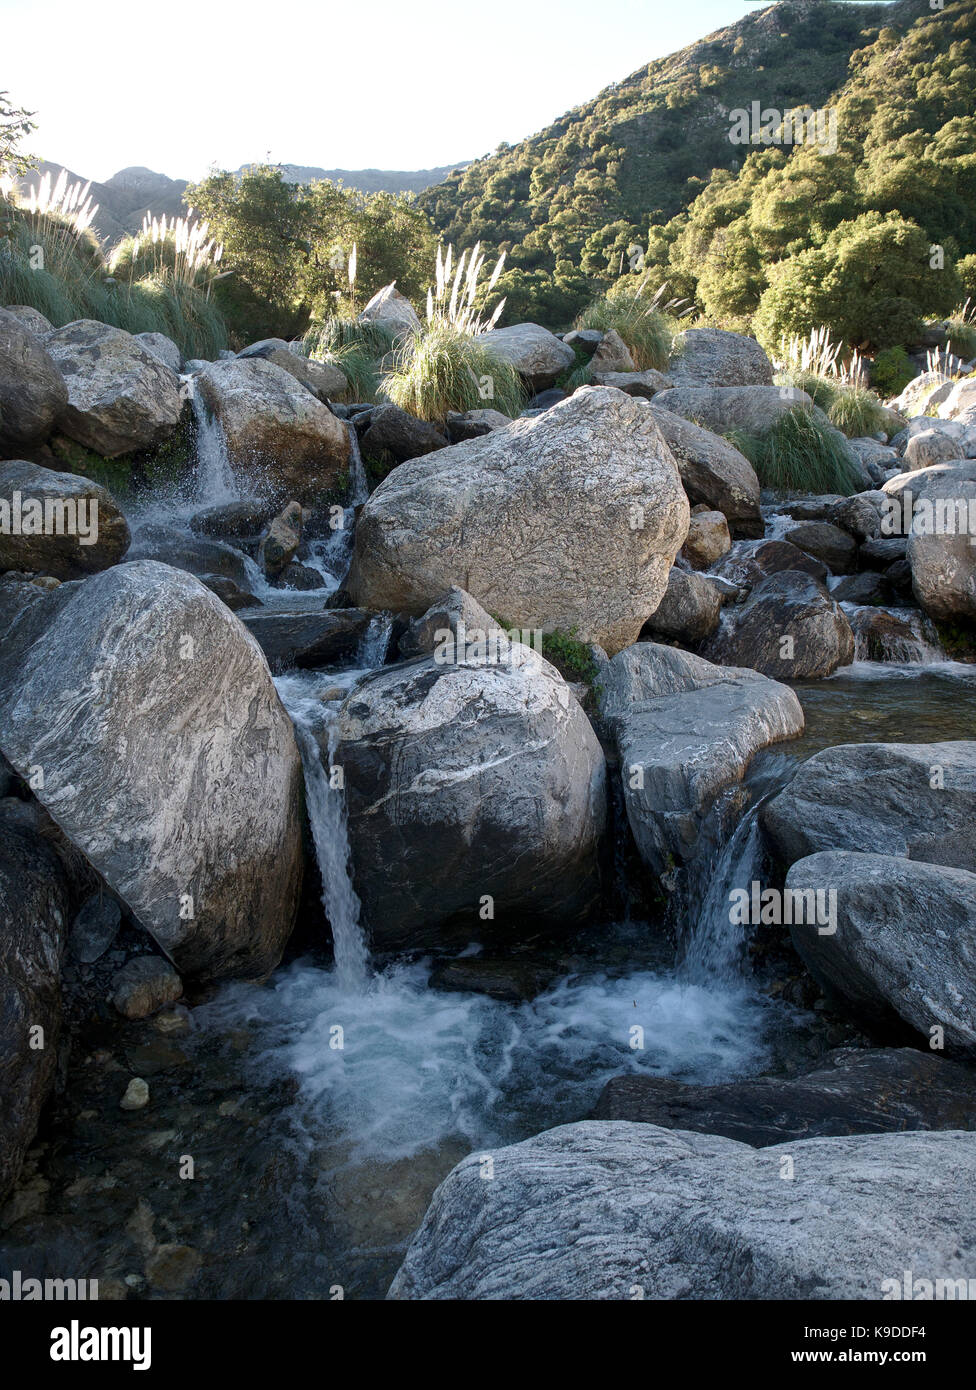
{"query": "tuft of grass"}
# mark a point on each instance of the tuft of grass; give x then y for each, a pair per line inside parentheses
(357, 349)
(645, 326)
(572, 658)
(800, 454)
(445, 369)
(858, 412)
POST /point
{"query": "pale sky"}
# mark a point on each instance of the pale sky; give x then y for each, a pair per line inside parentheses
(388, 84)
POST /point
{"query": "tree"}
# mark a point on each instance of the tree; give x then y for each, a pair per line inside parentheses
(15, 125)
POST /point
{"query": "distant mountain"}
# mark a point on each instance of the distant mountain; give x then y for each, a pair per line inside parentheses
(125, 198)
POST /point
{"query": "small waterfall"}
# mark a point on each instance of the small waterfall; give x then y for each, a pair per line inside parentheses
(315, 726)
(375, 641)
(358, 486)
(215, 481)
(903, 636)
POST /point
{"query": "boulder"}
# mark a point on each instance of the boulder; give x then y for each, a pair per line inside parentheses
(917, 800)
(827, 543)
(689, 611)
(853, 1091)
(73, 526)
(646, 384)
(488, 770)
(914, 398)
(391, 310)
(167, 758)
(164, 348)
(713, 471)
(319, 637)
(685, 730)
(536, 354)
(789, 627)
(95, 928)
(708, 538)
(31, 318)
(143, 985)
(34, 909)
(748, 563)
(961, 401)
(751, 409)
(929, 447)
(942, 549)
(32, 390)
(281, 540)
(867, 588)
(233, 521)
(570, 520)
(456, 614)
(323, 379)
(619, 1211)
(612, 354)
(395, 432)
(281, 442)
(903, 947)
(890, 634)
(713, 357)
(121, 397)
(197, 555)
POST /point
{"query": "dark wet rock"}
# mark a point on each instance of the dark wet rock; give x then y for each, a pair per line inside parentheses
(749, 562)
(230, 593)
(395, 432)
(870, 1091)
(145, 984)
(881, 551)
(86, 531)
(233, 521)
(310, 639)
(94, 928)
(867, 588)
(834, 547)
(689, 611)
(511, 980)
(789, 628)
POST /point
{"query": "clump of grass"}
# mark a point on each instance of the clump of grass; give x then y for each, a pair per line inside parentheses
(443, 369)
(645, 324)
(445, 366)
(50, 260)
(572, 658)
(858, 412)
(356, 348)
(800, 454)
(179, 247)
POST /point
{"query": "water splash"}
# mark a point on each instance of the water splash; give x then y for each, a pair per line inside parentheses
(215, 481)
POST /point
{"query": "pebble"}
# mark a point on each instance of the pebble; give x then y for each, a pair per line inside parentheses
(136, 1094)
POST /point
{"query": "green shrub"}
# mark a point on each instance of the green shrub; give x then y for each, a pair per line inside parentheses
(857, 411)
(645, 328)
(800, 454)
(572, 658)
(445, 369)
(892, 371)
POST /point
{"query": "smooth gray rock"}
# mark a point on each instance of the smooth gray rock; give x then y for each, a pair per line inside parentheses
(853, 1091)
(488, 770)
(942, 550)
(393, 311)
(685, 730)
(168, 759)
(713, 471)
(789, 627)
(752, 409)
(620, 1211)
(713, 357)
(834, 547)
(689, 611)
(323, 379)
(536, 354)
(86, 531)
(121, 397)
(309, 639)
(570, 520)
(164, 348)
(94, 928)
(32, 390)
(458, 614)
(282, 443)
(34, 906)
(880, 798)
(904, 945)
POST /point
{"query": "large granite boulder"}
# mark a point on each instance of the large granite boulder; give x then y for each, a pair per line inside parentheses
(166, 755)
(32, 390)
(393, 311)
(484, 770)
(713, 357)
(912, 799)
(121, 397)
(751, 409)
(282, 443)
(623, 1211)
(899, 945)
(713, 471)
(536, 354)
(789, 628)
(34, 915)
(324, 379)
(569, 520)
(685, 730)
(59, 523)
(689, 611)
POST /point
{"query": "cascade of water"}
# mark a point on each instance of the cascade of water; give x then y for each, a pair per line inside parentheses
(315, 725)
(215, 481)
(358, 486)
(375, 641)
